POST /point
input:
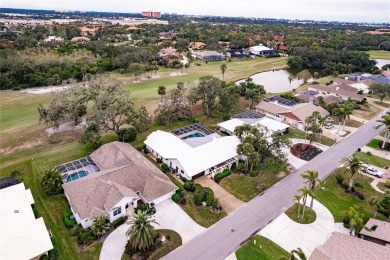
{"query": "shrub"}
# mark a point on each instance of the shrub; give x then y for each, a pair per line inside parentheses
(198, 196)
(253, 173)
(358, 185)
(127, 135)
(203, 194)
(74, 231)
(44, 257)
(69, 222)
(387, 145)
(189, 186)
(176, 197)
(55, 252)
(340, 178)
(116, 223)
(183, 201)
(359, 195)
(218, 177)
(369, 153)
(164, 167)
(150, 209)
(158, 160)
(52, 182)
(242, 168)
(387, 185)
(100, 225)
(85, 237)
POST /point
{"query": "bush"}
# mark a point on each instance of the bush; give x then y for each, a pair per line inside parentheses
(198, 196)
(387, 145)
(158, 160)
(242, 168)
(254, 173)
(359, 195)
(203, 194)
(54, 254)
(116, 223)
(183, 201)
(358, 185)
(69, 222)
(85, 237)
(127, 135)
(189, 186)
(44, 257)
(74, 231)
(52, 182)
(369, 153)
(164, 167)
(218, 177)
(176, 198)
(340, 178)
(150, 209)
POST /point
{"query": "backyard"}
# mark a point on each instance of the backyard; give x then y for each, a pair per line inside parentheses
(261, 248)
(245, 187)
(332, 196)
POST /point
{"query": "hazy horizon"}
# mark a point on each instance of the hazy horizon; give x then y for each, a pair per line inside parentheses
(327, 10)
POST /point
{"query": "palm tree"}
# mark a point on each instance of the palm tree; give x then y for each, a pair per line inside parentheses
(298, 198)
(354, 166)
(297, 254)
(305, 192)
(100, 225)
(141, 233)
(311, 177)
(376, 203)
(223, 69)
(385, 121)
(321, 122)
(161, 91)
(343, 114)
(290, 79)
(308, 122)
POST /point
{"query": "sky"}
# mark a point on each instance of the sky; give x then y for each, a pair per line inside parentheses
(329, 10)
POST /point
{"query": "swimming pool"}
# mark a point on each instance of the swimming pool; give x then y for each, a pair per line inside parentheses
(76, 175)
(194, 135)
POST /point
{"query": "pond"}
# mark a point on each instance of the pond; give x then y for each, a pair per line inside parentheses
(381, 62)
(275, 81)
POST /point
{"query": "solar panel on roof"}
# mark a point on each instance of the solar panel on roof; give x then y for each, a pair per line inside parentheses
(190, 128)
(282, 101)
(248, 114)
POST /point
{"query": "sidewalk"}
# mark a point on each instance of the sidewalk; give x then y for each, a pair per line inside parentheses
(380, 153)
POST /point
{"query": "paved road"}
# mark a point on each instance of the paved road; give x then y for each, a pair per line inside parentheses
(231, 232)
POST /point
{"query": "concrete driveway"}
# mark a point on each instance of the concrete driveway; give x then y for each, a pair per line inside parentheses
(227, 200)
(169, 215)
(290, 235)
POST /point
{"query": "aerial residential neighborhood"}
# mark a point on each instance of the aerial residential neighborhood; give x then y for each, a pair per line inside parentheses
(194, 130)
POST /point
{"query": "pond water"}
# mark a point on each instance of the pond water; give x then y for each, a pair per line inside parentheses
(275, 81)
(381, 62)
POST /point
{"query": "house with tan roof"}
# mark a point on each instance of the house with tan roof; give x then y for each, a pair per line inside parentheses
(339, 90)
(376, 231)
(344, 247)
(125, 178)
(292, 113)
(197, 45)
(85, 31)
(80, 39)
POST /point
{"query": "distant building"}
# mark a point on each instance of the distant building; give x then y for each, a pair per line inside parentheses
(80, 39)
(53, 39)
(209, 55)
(168, 52)
(151, 14)
(85, 31)
(22, 236)
(339, 90)
(358, 76)
(167, 35)
(237, 53)
(376, 231)
(261, 50)
(197, 45)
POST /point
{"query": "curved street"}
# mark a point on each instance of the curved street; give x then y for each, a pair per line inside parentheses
(227, 235)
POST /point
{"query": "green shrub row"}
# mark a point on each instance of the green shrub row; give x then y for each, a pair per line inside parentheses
(69, 222)
(218, 177)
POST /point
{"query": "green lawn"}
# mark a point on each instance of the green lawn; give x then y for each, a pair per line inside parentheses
(204, 216)
(373, 160)
(367, 113)
(383, 104)
(309, 217)
(245, 187)
(374, 143)
(337, 200)
(295, 133)
(379, 54)
(264, 249)
(170, 245)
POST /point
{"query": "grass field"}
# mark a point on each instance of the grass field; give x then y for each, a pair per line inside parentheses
(367, 113)
(337, 200)
(309, 217)
(377, 54)
(295, 133)
(374, 143)
(264, 249)
(373, 160)
(245, 187)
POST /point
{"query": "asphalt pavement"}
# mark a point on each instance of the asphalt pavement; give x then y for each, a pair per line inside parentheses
(228, 234)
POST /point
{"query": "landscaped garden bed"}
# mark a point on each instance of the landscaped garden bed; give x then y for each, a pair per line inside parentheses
(309, 216)
(305, 151)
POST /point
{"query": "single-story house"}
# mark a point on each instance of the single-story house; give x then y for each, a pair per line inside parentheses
(80, 39)
(85, 31)
(293, 115)
(168, 52)
(197, 45)
(125, 178)
(342, 247)
(190, 162)
(364, 76)
(272, 125)
(359, 85)
(376, 231)
(53, 39)
(339, 90)
(261, 50)
(22, 236)
(305, 97)
(237, 53)
(209, 55)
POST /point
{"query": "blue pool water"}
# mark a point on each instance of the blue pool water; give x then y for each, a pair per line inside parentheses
(192, 136)
(76, 175)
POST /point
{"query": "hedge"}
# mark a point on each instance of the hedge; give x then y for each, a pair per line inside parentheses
(176, 197)
(69, 222)
(222, 175)
(164, 167)
(190, 186)
(119, 221)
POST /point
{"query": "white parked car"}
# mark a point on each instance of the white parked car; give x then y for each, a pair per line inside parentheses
(328, 125)
(372, 171)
